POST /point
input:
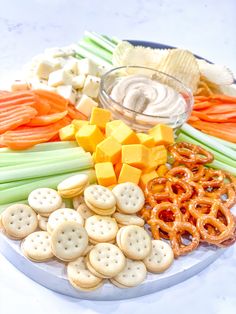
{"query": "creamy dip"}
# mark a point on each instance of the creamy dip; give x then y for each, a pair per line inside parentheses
(144, 95)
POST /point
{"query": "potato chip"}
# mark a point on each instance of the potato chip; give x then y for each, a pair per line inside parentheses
(215, 73)
(182, 65)
(127, 54)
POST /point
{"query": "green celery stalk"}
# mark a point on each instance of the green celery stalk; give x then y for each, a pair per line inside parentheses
(8, 185)
(100, 41)
(50, 167)
(206, 140)
(85, 53)
(19, 158)
(113, 40)
(226, 143)
(43, 147)
(18, 193)
(98, 51)
(185, 138)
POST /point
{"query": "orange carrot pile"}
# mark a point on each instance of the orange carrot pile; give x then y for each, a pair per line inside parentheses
(215, 115)
(31, 117)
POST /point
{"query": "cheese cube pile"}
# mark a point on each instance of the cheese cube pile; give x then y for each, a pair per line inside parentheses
(120, 154)
(58, 70)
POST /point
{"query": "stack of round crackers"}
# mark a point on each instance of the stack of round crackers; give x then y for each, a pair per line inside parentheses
(101, 239)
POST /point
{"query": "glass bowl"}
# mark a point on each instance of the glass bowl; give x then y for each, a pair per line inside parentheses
(137, 120)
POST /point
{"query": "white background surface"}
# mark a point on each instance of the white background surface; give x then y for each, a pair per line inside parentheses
(204, 27)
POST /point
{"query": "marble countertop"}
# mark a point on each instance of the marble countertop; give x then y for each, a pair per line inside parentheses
(206, 28)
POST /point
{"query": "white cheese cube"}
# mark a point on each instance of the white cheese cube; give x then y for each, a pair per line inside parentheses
(86, 66)
(78, 81)
(60, 77)
(44, 68)
(71, 66)
(91, 86)
(67, 92)
(18, 85)
(41, 84)
(85, 105)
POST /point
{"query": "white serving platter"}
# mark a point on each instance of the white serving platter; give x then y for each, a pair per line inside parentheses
(52, 275)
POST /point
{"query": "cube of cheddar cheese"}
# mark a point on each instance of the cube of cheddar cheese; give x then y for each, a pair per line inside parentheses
(79, 123)
(125, 135)
(85, 105)
(105, 173)
(108, 150)
(162, 134)
(67, 133)
(135, 155)
(111, 126)
(100, 117)
(157, 155)
(129, 174)
(146, 177)
(88, 137)
(146, 139)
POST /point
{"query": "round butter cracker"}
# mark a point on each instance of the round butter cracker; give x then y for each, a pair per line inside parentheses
(160, 258)
(44, 201)
(61, 215)
(134, 241)
(129, 197)
(69, 241)
(37, 246)
(101, 228)
(107, 259)
(132, 275)
(19, 220)
(99, 197)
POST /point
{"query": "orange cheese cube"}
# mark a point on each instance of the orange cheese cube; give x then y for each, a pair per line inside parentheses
(100, 117)
(118, 167)
(135, 155)
(146, 177)
(129, 174)
(146, 139)
(108, 150)
(88, 137)
(79, 123)
(111, 126)
(162, 134)
(125, 135)
(105, 173)
(156, 156)
(67, 133)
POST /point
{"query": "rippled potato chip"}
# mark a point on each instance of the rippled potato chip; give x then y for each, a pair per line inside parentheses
(182, 65)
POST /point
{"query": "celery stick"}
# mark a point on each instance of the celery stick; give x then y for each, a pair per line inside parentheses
(220, 165)
(36, 170)
(98, 51)
(205, 139)
(101, 41)
(113, 40)
(184, 138)
(3, 207)
(43, 147)
(21, 192)
(226, 143)
(90, 55)
(19, 158)
(8, 185)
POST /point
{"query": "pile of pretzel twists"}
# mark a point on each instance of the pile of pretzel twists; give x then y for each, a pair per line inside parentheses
(191, 203)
